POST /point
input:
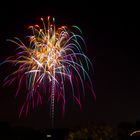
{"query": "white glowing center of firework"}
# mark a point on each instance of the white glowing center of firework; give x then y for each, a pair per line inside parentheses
(47, 49)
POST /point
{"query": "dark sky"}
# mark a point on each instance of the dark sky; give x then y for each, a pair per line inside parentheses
(111, 32)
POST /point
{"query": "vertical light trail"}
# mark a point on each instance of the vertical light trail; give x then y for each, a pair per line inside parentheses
(53, 98)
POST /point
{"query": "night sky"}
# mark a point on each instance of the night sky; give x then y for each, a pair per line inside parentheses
(112, 35)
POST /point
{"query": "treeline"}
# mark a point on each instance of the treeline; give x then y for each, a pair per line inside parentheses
(91, 131)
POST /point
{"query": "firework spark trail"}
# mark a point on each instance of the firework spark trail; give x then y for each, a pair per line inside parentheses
(53, 97)
(53, 58)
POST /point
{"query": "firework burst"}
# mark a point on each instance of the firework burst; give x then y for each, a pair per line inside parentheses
(52, 58)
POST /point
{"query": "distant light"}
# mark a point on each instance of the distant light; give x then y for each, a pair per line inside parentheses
(137, 131)
(48, 136)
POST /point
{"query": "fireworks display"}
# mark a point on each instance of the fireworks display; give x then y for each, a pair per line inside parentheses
(52, 61)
